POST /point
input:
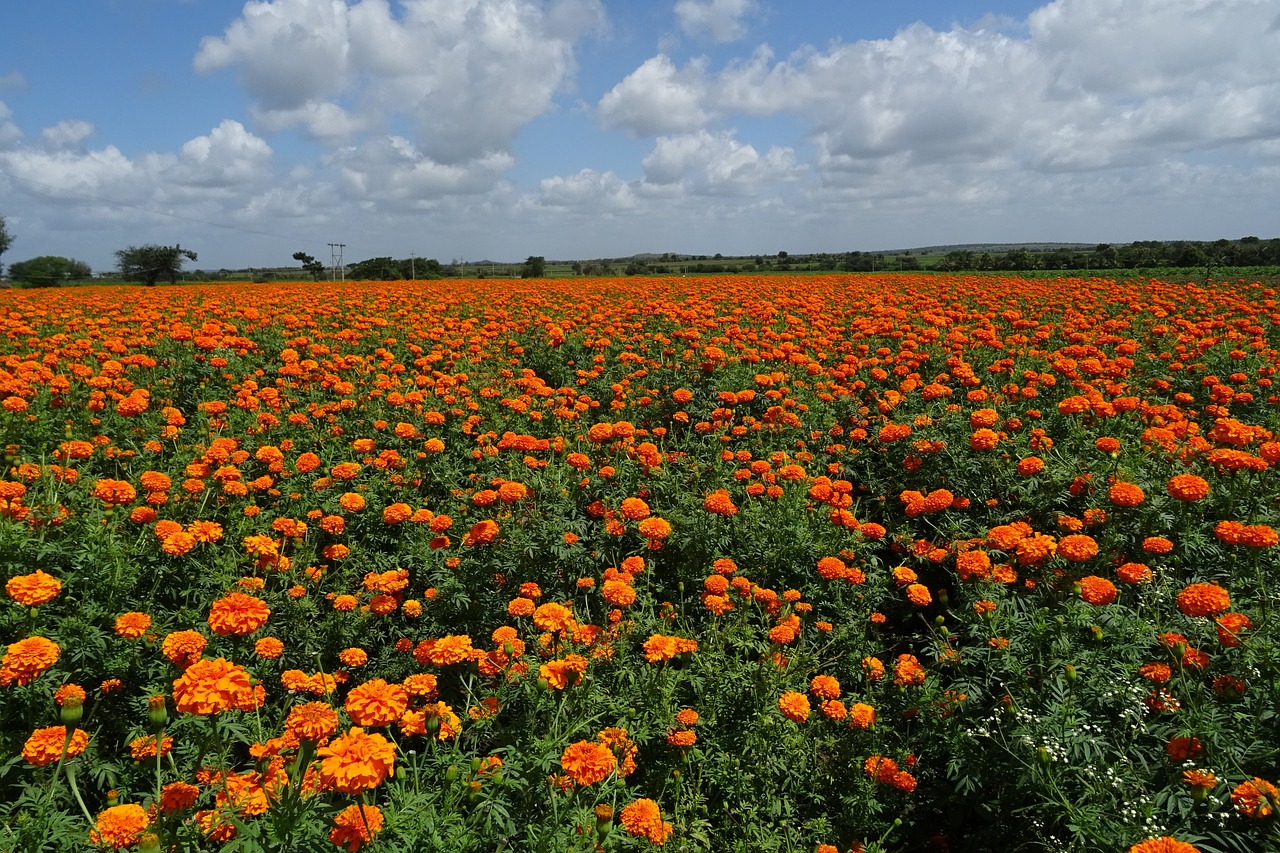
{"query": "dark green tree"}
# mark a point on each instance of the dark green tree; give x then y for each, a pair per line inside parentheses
(310, 265)
(535, 266)
(150, 263)
(6, 240)
(49, 271)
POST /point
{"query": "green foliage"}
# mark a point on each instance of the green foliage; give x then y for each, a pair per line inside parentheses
(150, 263)
(49, 271)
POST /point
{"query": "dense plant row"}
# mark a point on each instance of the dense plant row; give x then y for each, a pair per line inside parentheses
(826, 563)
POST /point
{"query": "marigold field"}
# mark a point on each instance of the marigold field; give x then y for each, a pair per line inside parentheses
(811, 564)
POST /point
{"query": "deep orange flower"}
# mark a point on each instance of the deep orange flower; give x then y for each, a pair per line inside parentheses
(1188, 487)
(26, 659)
(794, 706)
(908, 671)
(553, 616)
(588, 762)
(1256, 798)
(45, 745)
(313, 721)
(237, 614)
(356, 761)
(183, 648)
(269, 648)
(132, 625)
(1097, 591)
(120, 826)
(211, 687)
(1203, 599)
(1077, 547)
(355, 826)
(643, 819)
(34, 589)
(1126, 494)
(824, 687)
(1163, 844)
(376, 703)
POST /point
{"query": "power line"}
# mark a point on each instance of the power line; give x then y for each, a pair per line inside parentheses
(194, 219)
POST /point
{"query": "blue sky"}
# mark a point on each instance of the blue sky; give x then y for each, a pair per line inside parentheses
(593, 128)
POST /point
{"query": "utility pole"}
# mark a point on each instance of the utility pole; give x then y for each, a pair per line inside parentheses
(413, 266)
(335, 260)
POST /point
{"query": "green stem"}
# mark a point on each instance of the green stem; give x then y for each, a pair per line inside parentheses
(75, 792)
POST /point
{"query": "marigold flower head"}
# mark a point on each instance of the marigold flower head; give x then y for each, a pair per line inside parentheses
(26, 659)
(908, 671)
(794, 706)
(355, 826)
(45, 745)
(211, 687)
(1134, 573)
(1163, 844)
(1097, 590)
(132, 625)
(588, 762)
(1203, 599)
(376, 703)
(120, 826)
(34, 589)
(313, 721)
(1256, 798)
(1126, 494)
(1188, 487)
(643, 819)
(238, 613)
(1077, 547)
(356, 761)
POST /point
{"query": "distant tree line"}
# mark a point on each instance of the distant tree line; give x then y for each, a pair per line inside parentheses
(1245, 252)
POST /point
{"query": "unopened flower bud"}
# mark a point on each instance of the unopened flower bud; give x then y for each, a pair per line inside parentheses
(72, 711)
(157, 713)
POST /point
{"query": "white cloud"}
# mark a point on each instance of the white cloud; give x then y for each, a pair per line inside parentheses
(392, 173)
(467, 74)
(587, 193)
(719, 20)
(12, 80)
(10, 133)
(657, 98)
(66, 134)
(716, 164)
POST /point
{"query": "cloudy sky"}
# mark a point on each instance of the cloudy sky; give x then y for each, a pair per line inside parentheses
(497, 129)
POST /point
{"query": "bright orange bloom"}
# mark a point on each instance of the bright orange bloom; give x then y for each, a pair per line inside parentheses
(237, 614)
(794, 706)
(34, 589)
(1256, 798)
(1097, 591)
(211, 687)
(1188, 487)
(313, 721)
(45, 745)
(355, 826)
(120, 826)
(552, 616)
(376, 703)
(26, 659)
(1077, 547)
(588, 762)
(1203, 599)
(132, 625)
(908, 671)
(356, 761)
(824, 687)
(643, 819)
(183, 648)
(1163, 844)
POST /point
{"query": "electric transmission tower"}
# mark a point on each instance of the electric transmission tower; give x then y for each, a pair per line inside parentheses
(338, 272)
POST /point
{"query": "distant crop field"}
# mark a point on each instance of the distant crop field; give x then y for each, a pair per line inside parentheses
(799, 563)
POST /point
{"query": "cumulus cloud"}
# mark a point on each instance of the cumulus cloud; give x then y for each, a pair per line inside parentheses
(657, 98)
(467, 74)
(1083, 85)
(719, 20)
(12, 80)
(66, 134)
(716, 164)
(392, 173)
(588, 192)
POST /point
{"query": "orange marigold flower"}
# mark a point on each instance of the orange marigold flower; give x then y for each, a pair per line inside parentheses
(655, 528)
(687, 717)
(1134, 573)
(553, 616)
(719, 503)
(183, 648)
(26, 659)
(313, 721)
(1077, 547)
(481, 533)
(619, 594)
(918, 594)
(1157, 545)
(824, 687)
(178, 796)
(643, 819)
(972, 565)
(45, 745)
(880, 768)
(908, 671)
(635, 509)
(132, 625)
(354, 658)
(1126, 494)
(873, 667)
(1097, 591)
(1035, 549)
(120, 826)
(1203, 599)
(682, 738)
(355, 826)
(356, 761)
(1256, 798)
(1188, 487)
(268, 648)
(452, 649)
(376, 703)
(794, 706)
(588, 762)
(211, 687)
(1030, 466)
(861, 715)
(237, 614)
(1183, 748)
(34, 589)
(1231, 627)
